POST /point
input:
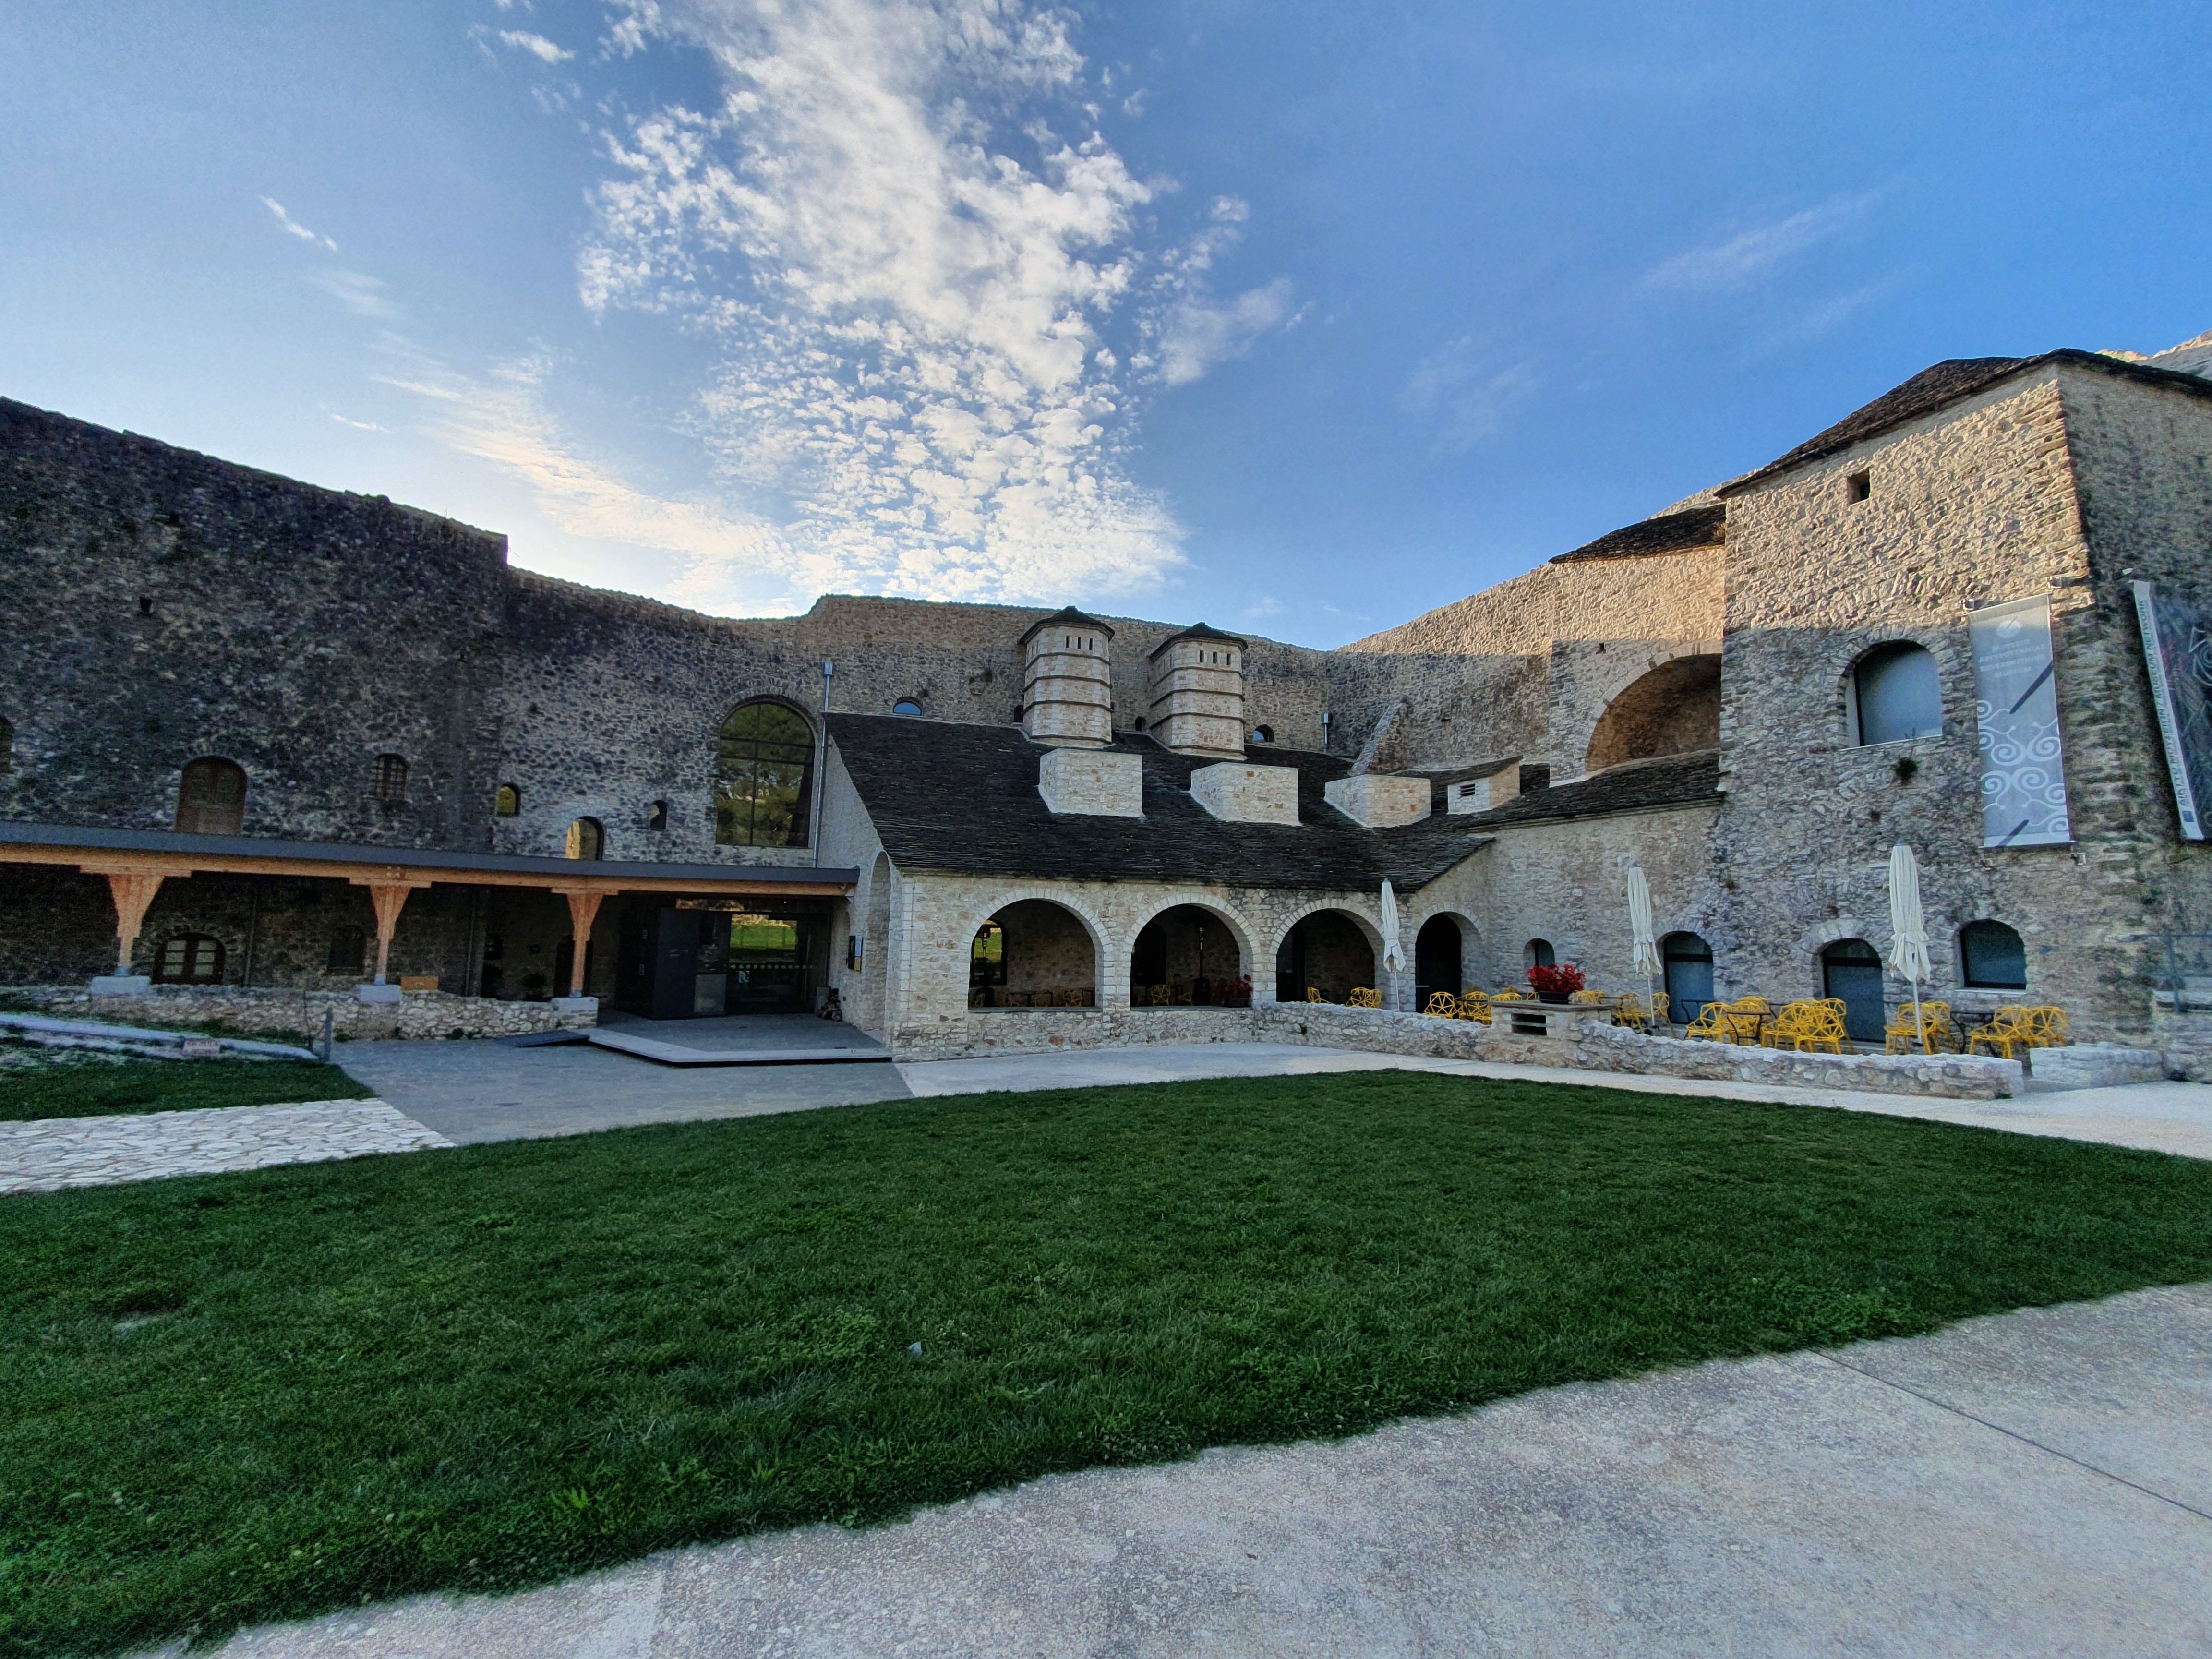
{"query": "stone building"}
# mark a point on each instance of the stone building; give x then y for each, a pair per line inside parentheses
(275, 737)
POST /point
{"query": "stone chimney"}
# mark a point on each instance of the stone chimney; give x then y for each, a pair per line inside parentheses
(1068, 680)
(1198, 693)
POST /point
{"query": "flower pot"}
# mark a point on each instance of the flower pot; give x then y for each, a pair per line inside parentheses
(1551, 996)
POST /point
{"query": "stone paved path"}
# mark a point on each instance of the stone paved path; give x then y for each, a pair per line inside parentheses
(49, 1153)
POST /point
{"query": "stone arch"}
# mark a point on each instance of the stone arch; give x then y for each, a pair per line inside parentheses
(1287, 950)
(1240, 934)
(1105, 980)
(872, 1011)
(1674, 708)
(1805, 956)
(1427, 952)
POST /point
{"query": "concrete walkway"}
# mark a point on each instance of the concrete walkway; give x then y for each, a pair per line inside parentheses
(2040, 1483)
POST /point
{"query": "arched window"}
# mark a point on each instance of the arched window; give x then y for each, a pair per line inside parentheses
(211, 798)
(906, 706)
(1687, 963)
(587, 838)
(387, 778)
(765, 763)
(656, 819)
(1850, 972)
(1993, 956)
(507, 803)
(1263, 734)
(1899, 693)
(1538, 953)
(190, 959)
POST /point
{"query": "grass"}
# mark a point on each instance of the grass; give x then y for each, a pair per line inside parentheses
(233, 1398)
(37, 1083)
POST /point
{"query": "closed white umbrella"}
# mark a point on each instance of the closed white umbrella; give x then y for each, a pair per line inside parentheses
(1642, 949)
(1908, 929)
(1393, 959)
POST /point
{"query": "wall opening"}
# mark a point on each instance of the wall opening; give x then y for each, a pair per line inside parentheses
(211, 798)
(1675, 709)
(1188, 956)
(189, 959)
(1851, 970)
(387, 777)
(587, 838)
(1539, 953)
(1687, 962)
(1992, 956)
(1032, 954)
(1325, 953)
(1897, 693)
(507, 802)
(764, 787)
(1436, 959)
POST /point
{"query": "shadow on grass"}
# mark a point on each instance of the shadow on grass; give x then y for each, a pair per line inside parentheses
(236, 1398)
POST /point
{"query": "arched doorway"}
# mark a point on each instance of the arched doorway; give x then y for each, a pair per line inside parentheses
(1187, 956)
(1436, 959)
(1327, 952)
(1032, 954)
(1687, 961)
(1850, 969)
(211, 798)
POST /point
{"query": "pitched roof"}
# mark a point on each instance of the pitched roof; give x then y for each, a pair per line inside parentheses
(1200, 632)
(1067, 617)
(964, 799)
(1631, 786)
(1670, 532)
(1951, 382)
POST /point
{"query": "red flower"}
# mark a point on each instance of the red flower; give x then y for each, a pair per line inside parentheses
(1561, 981)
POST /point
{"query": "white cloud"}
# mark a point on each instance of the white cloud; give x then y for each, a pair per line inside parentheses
(359, 426)
(363, 295)
(293, 227)
(545, 50)
(1466, 392)
(929, 315)
(1751, 256)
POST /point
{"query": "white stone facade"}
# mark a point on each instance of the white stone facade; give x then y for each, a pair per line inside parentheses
(1247, 794)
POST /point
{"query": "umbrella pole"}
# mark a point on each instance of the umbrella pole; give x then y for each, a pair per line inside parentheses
(1919, 1029)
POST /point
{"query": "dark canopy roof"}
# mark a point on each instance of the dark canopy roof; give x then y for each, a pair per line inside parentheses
(1200, 632)
(964, 799)
(1670, 532)
(1631, 786)
(1949, 382)
(1067, 617)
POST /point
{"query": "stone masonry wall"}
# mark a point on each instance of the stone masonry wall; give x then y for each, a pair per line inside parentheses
(1974, 504)
(297, 1015)
(163, 606)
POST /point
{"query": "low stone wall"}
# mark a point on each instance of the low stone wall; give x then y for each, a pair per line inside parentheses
(297, 1015)
(2095, 1066)
(1381, 1030)
(2186, 1039)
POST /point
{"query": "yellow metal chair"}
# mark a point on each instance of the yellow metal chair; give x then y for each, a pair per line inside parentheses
(1745, 1019)
(1808, 1024)
(2047, 1026)
(1182, 993)
(1442, 1004)
(1588, 998)
(1508, 995)
(1314, 995)
(1363, 996)
(2009, 1028)
(1936, 1033)
(1475, 1005)
(1162, 995)
(1710, 1023)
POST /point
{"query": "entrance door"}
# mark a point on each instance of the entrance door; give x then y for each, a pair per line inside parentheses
(1688, 963)
(1436, 959)
(1851, 968)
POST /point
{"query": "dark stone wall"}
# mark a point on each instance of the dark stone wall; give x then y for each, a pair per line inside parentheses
(163, 605)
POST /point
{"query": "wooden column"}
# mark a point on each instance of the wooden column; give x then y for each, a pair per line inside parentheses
(583, 909)
(386, 895)
(133, 891)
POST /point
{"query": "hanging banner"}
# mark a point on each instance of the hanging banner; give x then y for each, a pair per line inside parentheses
(2016, 717)
(2177, 643)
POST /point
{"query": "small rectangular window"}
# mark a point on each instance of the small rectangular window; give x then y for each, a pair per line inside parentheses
(1858, 486)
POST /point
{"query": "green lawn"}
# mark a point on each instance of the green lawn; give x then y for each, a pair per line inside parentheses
(236, 1397)
(58, 1084)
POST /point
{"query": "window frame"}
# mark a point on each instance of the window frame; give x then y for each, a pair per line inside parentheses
(1967, 962)
(1882, 651)
(800, 824)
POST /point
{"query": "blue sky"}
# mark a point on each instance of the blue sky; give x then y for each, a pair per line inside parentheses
(1295, 318)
